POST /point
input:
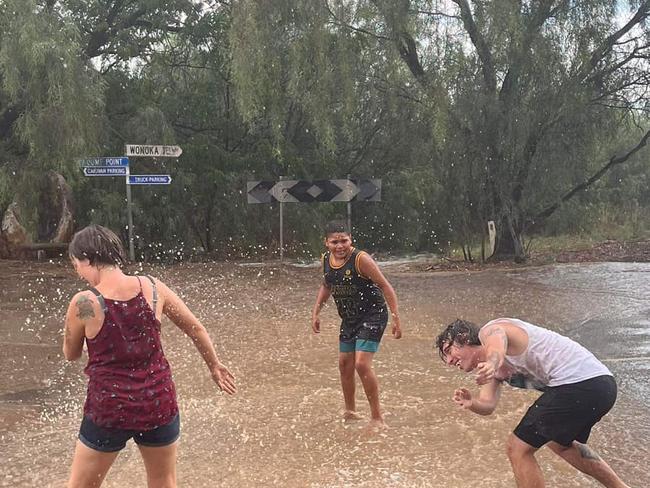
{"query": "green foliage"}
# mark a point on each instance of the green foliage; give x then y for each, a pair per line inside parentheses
(60, 96)
(461, 126)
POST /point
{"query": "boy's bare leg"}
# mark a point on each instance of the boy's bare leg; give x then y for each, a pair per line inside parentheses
(346, 368)
(363, 365)
(586, 460)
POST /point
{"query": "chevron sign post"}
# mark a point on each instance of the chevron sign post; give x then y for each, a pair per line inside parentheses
(300, 191)
(297, 191)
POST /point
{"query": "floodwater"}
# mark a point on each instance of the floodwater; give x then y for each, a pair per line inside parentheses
(284, 426)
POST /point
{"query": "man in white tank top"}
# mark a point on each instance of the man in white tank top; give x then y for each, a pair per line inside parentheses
(577, 391)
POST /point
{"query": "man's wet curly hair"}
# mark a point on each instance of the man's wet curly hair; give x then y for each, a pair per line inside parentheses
(459, 332)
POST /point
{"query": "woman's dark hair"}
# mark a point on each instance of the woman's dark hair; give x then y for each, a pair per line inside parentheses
(460, 332)
(98, 245)
(336, 227)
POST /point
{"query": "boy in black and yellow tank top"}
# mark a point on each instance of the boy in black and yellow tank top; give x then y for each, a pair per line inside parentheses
(360, 292)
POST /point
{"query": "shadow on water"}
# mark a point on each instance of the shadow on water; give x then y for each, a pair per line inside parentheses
(284, 426)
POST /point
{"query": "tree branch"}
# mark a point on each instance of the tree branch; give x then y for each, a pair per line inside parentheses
(606, 47)
(614, 160)
(482, 49)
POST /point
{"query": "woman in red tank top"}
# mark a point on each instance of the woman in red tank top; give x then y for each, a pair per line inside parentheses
(131, 393)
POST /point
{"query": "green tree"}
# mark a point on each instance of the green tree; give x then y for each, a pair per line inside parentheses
(524, 99)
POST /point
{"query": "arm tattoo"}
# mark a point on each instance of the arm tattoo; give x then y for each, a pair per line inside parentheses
(500, 333)
(587, 453)
(85, 308)
(494, 359)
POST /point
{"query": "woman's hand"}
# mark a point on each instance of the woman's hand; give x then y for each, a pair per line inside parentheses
(224, 379)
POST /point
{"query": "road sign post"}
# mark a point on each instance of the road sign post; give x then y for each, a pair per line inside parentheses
(296, 191)
(105, 162)
(129, 217)
(150, 151)
(149, 179)
(349, 205)
(105, 170)
(153, 151)
(112, 166)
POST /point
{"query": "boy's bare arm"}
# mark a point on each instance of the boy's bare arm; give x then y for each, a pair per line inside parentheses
(368, 268)
(323, 295)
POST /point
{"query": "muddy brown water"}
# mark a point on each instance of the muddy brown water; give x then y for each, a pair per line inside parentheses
(284, 426)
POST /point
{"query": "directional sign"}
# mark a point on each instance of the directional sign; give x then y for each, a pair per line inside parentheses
(104, 162)
(150, 179)
(314, 191)
(105, 171)
(153, 151)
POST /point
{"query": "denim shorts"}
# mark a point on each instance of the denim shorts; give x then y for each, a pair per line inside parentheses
(112, 440)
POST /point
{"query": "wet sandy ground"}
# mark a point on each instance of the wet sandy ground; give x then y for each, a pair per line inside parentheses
(284, 427)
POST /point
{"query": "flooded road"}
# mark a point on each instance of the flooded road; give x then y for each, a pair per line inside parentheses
(284, 426)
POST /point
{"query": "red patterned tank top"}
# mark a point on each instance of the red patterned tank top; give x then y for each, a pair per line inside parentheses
(129, 379)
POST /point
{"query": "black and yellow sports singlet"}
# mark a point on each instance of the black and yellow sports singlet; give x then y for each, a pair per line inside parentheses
(357, 297)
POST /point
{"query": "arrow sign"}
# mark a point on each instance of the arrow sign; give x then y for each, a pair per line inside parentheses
(314, 191)
(105, 171)
(280, 191)
(104, 162)
(348, 191)
(153, 151)
(258, 191)
(369, 191)
(150, 179)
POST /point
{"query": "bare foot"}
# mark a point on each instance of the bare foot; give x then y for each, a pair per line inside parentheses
(375, 426)
(351, 415)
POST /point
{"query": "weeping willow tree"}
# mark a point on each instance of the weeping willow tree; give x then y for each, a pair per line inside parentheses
(53, 99)
(526, 101)
(341, 92)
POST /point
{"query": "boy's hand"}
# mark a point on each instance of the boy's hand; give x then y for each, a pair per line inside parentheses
(315, 325)
(397, 330)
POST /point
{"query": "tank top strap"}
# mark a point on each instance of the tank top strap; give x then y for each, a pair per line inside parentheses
(155, 292)
(100, 299)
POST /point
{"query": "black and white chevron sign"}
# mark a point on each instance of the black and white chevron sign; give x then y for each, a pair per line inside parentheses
(292, 191)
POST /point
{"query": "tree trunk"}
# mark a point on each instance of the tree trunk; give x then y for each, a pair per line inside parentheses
(510, 241)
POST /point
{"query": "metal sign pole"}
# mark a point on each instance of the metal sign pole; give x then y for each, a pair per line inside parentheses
(129, 213)
(144, 150)
(281, 227)
(349, 213)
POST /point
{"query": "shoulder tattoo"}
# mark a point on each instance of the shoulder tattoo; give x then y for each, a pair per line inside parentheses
(85, 308)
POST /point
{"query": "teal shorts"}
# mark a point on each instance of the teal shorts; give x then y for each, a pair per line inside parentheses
(365, 345)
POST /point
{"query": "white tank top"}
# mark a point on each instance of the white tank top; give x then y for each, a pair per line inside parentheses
(553, 359)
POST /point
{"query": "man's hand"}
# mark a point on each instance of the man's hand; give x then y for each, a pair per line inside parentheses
(224, 379)
(315, 324)
(463, 398)
(485, 371)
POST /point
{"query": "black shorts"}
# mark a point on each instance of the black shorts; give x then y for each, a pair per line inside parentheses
(363, 334)
(567, 412)
(111, 440)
